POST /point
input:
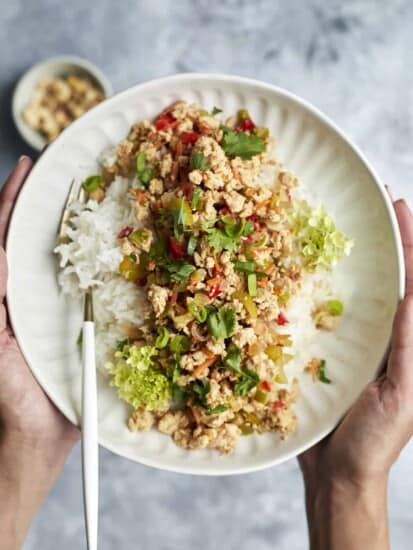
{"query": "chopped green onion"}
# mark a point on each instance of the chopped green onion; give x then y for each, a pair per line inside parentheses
(217, 410)
(198, 311)
(179, 344)
(192, 244)
(140, 163)
(162, 338)
(143, 172)
(92, 183)
(335, 307)
(196, 197)
(252, 284)
(322, 373)
(245, 267)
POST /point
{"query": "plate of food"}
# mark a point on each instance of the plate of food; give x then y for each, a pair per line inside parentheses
(245, 262)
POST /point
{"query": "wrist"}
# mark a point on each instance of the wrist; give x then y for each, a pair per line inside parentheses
(28, 470)
(348, 514)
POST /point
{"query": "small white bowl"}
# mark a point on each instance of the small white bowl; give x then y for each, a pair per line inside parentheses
(52, 67)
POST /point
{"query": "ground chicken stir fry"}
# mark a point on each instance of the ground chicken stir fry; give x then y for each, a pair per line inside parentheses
(220, 248)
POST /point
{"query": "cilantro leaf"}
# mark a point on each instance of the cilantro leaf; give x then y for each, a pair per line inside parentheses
(179, 271)
(216, 111)
(247, 382)
(233, 358)
(200, 390)
(247, 378)
(221, 324)
(322, 373)
(241, 144)
(200, 162)
(218, 240)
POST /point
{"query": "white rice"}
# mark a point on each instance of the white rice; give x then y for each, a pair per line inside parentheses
(92, 259)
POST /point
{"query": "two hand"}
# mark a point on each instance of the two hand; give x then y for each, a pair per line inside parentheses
(348, 468)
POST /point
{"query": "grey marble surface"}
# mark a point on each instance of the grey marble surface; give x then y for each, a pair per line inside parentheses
(353, 60)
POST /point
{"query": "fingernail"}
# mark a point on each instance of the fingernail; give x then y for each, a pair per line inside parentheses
(23, 157)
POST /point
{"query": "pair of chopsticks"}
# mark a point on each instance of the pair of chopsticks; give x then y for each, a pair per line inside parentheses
(89, 422)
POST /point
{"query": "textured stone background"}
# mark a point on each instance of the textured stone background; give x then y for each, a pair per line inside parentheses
(353, 60)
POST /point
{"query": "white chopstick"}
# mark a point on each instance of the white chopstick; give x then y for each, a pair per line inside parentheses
(90, 451)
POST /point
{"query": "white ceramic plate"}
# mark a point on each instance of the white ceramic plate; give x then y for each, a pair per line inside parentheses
(335, 172)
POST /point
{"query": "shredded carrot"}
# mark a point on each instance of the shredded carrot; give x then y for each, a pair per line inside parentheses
(262, 282)
(214, 281)
(204, 365)
(261, 204)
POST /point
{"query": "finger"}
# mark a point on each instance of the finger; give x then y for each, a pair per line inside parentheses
(9, 193)
(405, 220)
(399, 369)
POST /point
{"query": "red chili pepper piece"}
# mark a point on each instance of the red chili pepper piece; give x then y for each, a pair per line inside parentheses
(246, 125)
(215, 290)
(125, 232)
(189, 137)
(277, 405)
(281, 319)
(265, 385)
(177, 249)
(163, 121)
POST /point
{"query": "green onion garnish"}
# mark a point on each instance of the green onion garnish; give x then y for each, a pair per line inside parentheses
(162, 338)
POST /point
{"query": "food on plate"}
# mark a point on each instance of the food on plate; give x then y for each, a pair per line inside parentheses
(210, 271)
(56, 102)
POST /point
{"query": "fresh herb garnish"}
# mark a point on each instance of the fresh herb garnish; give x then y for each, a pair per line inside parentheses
(322, 373)
(179, 272)
(200, 162)
(247, 378)
(92, 183)
(252, 284)
(221, 323)
(218, 240)
(192, 244)
(246, 267)
(198, 311)
(200, 390)
(196, 199)
(143, 171)
(179, 344)
(163, 338)
(241, 144)
(335, 307)
(216, 111)
(217, 410)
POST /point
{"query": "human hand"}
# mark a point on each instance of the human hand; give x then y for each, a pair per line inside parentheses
(35, 438)
(348, 471)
